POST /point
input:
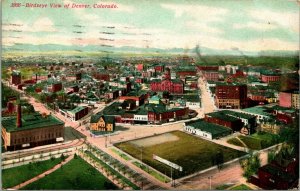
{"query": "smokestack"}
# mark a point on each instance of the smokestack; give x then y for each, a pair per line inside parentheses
(19, 116)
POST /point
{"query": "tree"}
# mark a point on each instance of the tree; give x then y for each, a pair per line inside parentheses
(219, 159)
(250, 165)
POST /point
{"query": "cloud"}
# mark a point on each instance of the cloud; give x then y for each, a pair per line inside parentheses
(199, 12)
(203, 27)
(259, 26)
(286, 20)
(41, 25)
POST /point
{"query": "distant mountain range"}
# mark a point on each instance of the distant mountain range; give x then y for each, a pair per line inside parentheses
(128, 49)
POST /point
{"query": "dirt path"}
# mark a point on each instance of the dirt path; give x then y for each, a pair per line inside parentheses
(44, 173)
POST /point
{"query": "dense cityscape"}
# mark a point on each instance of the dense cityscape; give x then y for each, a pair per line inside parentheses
(140, 95)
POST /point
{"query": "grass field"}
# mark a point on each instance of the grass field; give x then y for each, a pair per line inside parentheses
(256, 141)
(16, 175)
(75, 175)
(241, 187)
(192, 153)
(119, 176)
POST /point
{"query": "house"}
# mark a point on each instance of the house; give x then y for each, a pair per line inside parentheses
(101, 122)
(205, 129)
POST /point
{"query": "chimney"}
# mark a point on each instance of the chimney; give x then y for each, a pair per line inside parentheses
(19, 116)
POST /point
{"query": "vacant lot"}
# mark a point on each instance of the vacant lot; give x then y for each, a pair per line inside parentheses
(192, 153)
(16, 175)
(75, 175)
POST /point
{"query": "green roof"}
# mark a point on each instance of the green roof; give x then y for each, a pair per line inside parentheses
(154, 98)
(238, 114)
(30, 122)
(215, 130)
(260, 110)
(77, 109)
(221, 115)
(95, 118)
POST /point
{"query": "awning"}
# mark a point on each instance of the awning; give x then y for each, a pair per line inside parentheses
(59, 139)
(26, 145)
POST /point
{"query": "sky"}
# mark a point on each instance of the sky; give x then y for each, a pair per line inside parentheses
(244, 25)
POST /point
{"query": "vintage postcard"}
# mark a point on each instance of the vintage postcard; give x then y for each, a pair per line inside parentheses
(150, 95)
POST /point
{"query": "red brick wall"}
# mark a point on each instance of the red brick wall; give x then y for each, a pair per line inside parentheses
(285, 99)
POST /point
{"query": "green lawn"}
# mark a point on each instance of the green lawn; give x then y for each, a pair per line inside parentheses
(192, 153)
(124, 156)
(119, 176)
(223, 186)
(241, 187)
(153, 173)
(256, 141)
(16, 175)
(75, 175)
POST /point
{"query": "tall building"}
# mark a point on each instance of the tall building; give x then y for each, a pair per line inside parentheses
(31, 130)
(289, 99)
(231, 96)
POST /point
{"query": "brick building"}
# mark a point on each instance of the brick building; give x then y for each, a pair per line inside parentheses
(211, 75)
(31, 130)
(158, 114)
(269, 76)
(231, 96)
(289, 99)
(174, 86)
(219, 118)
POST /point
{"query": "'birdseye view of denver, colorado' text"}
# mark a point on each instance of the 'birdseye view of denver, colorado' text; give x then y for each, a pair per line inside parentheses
(150, 95)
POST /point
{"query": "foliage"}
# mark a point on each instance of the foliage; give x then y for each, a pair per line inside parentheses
(241, 187)
(250, 165)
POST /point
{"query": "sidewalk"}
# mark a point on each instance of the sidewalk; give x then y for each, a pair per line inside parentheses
(44, 174)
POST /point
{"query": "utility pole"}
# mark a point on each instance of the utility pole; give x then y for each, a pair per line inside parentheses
(210, 177)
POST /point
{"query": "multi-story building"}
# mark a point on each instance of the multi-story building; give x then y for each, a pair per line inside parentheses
(269, 76)
(289, 99)
(211, 75)
(231, 96)
(31, 130)
(173, 86)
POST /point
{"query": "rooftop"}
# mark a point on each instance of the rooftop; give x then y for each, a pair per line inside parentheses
(260, 110)
(238, 114)
(277, 172)
(221, 115)
(30, 122)
(77, 109)
(214, 129)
